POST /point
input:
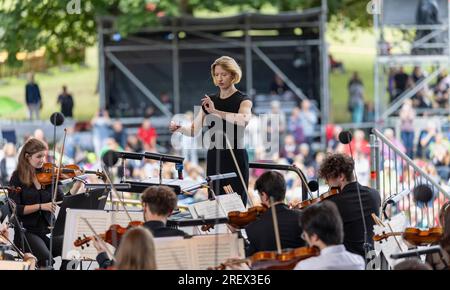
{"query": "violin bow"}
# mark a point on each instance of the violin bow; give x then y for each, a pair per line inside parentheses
(275, 225)
(55, 189)
(19, 252)
(113, 189)
(249, 200)
(108, 251)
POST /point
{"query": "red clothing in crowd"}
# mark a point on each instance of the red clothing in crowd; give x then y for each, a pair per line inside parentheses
(360, 146)
(147, 135)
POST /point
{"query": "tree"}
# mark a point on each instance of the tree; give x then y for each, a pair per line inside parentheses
(26, 25)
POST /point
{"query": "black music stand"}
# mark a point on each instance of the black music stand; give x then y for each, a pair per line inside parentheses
(95, 199)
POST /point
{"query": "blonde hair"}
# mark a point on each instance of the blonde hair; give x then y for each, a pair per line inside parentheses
(230, 65)
(24, 169)
(136, 250)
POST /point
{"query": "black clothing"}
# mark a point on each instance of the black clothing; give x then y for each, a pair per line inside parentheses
(66, 102)
(219, 159)
(278, 89)
(36, 224)
(157, 228)
(261, 233)
(32, 93)
(400, 81)
(40, 245)
(347, 202)
(39, 221)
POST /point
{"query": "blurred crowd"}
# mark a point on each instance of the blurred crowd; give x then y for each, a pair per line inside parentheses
(431, 149)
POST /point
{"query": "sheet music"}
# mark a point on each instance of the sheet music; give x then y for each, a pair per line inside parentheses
(231, 202)
(209, 209)
(13, 265)
(393, 244)
(172, 253)
(100, 221)
(225, 246)
(197, 253)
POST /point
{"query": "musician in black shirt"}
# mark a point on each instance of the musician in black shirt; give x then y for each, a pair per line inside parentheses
(33, 204)
(261, 233)
(337, 170)
(158, 202)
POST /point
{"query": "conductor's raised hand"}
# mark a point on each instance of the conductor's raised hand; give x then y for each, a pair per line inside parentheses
(208, 104)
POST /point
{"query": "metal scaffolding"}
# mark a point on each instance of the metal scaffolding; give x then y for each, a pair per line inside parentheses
(429, 48)
(189, 33)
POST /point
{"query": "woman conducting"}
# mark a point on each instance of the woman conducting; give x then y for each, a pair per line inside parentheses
(226, 114)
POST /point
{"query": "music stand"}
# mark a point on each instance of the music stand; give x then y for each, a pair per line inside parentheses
(95, 199)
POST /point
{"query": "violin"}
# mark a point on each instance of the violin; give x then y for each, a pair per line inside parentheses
(44, 174)
(113, 234)
(239, 219)
(311, 201)
(272, 260)
(415, 236)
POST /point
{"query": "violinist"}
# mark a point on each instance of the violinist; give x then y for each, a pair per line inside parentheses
(337, 170)
(34, 205)
(323, 228)
(136, 251)
(260, 233)
(27, 257)
(158, 202)
(442, 261)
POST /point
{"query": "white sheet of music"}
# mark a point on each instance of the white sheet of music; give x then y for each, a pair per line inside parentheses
(14, 265)
(197, 253)
(172, 253)
(231, 202)
(100, 220)
(209, 209)
(393, 244)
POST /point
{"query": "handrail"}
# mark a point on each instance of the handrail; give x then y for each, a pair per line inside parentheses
(409, 161)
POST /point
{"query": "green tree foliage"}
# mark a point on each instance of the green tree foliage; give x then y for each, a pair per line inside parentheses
(26, 25)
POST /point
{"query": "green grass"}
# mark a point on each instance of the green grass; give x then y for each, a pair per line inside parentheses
(357, 52)
(8, 105)
(80, 80)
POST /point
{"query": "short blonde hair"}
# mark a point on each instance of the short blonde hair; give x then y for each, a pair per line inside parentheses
(230, 65)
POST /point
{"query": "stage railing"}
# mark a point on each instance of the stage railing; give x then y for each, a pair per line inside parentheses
(393, 172)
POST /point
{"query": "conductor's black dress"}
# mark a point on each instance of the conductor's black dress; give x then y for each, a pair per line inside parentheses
(219, 159)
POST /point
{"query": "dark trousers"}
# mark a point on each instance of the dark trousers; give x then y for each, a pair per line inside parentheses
(408, 142)
(40, 244)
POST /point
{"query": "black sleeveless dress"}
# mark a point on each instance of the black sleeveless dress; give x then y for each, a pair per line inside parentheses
(219, 159)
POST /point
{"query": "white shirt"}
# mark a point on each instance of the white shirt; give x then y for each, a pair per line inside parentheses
(333, 258)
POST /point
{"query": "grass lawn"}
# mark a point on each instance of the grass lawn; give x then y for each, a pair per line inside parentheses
(357, 55)
(8, 106)
(81, 82)
(356, 51)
